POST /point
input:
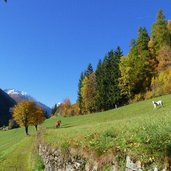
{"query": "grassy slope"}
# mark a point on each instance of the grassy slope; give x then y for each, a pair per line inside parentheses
(135, 129)
(16, 150)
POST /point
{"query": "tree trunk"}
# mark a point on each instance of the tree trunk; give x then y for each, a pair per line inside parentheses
(36, 127)
(26, 129)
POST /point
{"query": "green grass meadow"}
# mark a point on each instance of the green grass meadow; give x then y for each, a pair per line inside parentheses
(137, 129)
(17, 150)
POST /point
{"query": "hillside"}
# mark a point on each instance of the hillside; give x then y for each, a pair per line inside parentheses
(6, 102)
(16, 150)
(136, 130)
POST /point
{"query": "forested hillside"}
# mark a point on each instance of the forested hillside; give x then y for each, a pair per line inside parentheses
(145, 72)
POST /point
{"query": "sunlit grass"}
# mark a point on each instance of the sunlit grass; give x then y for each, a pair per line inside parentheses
(16, 149)
(136, 129)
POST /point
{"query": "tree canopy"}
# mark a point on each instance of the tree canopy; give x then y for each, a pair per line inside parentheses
(120, 79)
(26, 113)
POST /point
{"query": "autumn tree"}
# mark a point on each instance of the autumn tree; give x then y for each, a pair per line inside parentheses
(83, 95)
(76, 109)
(66, 107)
(160, 35)
(138, 68)
(90, 94)
(145, 63)
(165, 58)
(26, 113)
(81, 88)
(125, 82)
(169, 25)
(38, 117)
(161, 84)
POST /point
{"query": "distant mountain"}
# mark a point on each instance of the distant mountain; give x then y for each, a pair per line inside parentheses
(19, 96)
(6, 103)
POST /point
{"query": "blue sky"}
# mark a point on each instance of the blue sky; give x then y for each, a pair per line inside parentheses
(45, 45)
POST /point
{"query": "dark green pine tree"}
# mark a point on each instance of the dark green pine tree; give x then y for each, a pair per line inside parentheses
(100, 73)
(54, 109)
(112, 74)
(89, 70)
(107, 78)
(80, 98)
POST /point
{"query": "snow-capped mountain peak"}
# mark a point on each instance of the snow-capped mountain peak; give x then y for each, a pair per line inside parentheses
(13, 91)
(22, 95)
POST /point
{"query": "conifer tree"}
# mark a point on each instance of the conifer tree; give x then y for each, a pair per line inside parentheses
(100, 71)
(160, 35)
(80, 98)
(81, 88)
(54, 109)
(137, 69)
(89, 70)
(107, 75)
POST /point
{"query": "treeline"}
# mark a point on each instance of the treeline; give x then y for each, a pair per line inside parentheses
(99, 90)
(144, 73)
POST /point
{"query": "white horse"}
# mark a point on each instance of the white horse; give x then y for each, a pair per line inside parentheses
(158, 103)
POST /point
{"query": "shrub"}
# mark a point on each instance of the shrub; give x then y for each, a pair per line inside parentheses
(148, 95)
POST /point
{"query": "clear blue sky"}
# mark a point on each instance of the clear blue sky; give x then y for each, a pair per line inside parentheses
(45, 45)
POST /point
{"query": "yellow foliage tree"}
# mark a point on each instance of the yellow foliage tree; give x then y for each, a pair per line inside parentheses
(38, 117)
(67, 109)
(164, 58)
(90, 94)
(27, 113)
(161, 84)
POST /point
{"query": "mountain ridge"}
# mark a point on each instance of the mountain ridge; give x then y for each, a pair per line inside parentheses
(6, 103)
(19, 96)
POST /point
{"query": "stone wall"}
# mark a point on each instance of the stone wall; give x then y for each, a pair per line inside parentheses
(57, 160)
